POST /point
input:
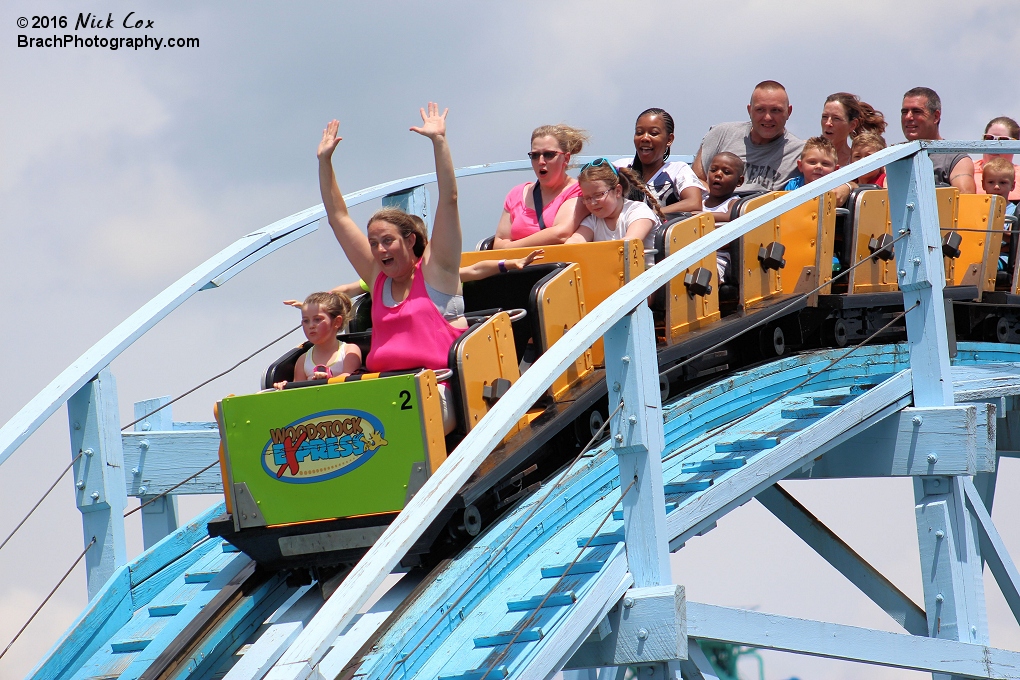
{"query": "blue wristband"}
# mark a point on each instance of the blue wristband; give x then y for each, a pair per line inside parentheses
(502, 266)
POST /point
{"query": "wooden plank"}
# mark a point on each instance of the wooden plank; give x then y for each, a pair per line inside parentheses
(508, 636)
(354, 638)
(934, 441)
(159, 513)
(579, 567)
(836, 641)
(648, 626)
(994, 551)
(163, 459)
(844, 559)
(555, 600)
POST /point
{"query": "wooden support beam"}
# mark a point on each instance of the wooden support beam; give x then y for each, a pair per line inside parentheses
(844, 559)
(156, 461)
(697, 666)
(947, 540)
(946, 441)
(921, 274)
(648, 626)
(94, 420)
(994, 551)
(637, 438)
(790, 455)
(159, 514)
(836, 641)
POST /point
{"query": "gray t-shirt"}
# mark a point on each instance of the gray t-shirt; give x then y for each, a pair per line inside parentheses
(944, 164)
(767, 166)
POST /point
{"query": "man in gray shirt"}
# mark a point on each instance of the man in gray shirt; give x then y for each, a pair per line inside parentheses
(920, 117)
(768, 150)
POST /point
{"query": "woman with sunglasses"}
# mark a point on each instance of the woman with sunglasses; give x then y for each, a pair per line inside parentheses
(1002, 128)
(673, 183)
(604, 190)
(554, 195)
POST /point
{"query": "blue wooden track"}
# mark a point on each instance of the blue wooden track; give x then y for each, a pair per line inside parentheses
(724, 444)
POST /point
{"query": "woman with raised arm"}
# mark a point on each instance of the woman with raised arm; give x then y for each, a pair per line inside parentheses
(417, 305)
(542, 213)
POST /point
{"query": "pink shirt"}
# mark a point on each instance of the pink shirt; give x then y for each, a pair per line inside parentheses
(412, 334)
(979, 166)
(524, 220)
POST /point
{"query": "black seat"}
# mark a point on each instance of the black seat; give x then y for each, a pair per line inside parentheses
(486, 243)
(361, 314)
(512, 290)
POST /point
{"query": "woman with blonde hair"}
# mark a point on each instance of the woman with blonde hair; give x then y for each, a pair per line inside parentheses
(541, 213)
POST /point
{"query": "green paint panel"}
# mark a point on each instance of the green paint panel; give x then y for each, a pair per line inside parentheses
(327, 451)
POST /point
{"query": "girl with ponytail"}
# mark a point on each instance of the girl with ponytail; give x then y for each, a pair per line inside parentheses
(604, 190)
(674, 184)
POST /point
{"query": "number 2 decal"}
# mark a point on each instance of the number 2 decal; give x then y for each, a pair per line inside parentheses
(406, 405)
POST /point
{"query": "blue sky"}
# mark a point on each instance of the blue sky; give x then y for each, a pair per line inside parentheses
(121, 170)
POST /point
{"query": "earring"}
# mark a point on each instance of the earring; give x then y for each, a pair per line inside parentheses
(666, 154)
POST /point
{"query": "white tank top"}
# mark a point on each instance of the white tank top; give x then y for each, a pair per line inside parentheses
(335, 368)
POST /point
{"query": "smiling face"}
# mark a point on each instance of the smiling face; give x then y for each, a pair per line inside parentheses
(319, 326)
(723, 176)
(769, 110)
(651, 140)
(394, 253)
(815, 164)
(917, 121)
(601, 200)
(551, 170)
(836, 124)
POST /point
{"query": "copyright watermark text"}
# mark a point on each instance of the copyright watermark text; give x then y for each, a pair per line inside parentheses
(94, 31)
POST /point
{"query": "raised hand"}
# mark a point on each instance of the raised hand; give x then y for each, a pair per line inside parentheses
(433, 124)
(330, 139)
(294, 303)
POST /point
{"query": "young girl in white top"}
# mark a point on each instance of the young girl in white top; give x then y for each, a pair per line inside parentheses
(613, 217)
(322, 317)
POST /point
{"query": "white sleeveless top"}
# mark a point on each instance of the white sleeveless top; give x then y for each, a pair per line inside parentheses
(334, 368)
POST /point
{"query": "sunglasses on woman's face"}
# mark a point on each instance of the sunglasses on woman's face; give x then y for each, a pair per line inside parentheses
(997, 138)
(548, 155)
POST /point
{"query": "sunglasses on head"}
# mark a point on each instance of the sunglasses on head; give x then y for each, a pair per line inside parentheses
(548, 155)
(997, 138)
(598, 162)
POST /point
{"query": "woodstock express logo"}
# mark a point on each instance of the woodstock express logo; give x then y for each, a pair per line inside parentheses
(322, 446)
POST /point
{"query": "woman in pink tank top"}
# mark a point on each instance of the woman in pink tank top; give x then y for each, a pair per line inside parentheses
(527, 222)
(412, 333)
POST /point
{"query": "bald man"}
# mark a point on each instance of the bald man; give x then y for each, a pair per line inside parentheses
(768, 150)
